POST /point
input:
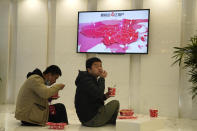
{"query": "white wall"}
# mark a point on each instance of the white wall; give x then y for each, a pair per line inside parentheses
(45, 32)
(159, 83)
(65, 47)
(114, 4)
(31, 38)
(4, 47)
(154, 82)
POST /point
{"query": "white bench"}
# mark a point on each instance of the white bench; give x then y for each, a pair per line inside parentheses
(142, 123)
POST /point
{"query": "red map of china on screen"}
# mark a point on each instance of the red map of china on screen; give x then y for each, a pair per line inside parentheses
(116, 36)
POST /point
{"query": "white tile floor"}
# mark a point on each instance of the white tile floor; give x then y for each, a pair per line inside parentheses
(9, 123)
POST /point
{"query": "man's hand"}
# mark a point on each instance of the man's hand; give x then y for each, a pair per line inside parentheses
(103, 74)
(107, 95)
(52, 98)
(61, 86)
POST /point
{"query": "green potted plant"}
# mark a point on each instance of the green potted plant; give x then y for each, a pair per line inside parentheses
(188, 56)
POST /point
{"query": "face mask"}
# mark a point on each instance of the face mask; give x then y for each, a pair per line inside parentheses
(47, 82)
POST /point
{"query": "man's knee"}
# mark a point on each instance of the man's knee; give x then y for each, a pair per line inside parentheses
(60, 106)
(116, 103)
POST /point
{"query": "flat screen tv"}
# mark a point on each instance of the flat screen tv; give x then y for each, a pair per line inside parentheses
(115, 31)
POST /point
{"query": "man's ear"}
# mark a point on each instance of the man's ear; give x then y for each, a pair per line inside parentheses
(89, 70)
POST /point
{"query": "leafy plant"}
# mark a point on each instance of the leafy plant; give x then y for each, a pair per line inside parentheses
(188, 56)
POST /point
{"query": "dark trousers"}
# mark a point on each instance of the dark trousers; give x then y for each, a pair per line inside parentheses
(24, 123)
(59, 117)
(106, 115)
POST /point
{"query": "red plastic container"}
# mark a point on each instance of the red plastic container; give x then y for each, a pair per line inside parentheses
(127, 117)
(112, 91)
(153, 113)
(58, 126)
(126, 112)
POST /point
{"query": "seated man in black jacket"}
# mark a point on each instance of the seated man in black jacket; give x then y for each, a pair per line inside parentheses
(90, 97)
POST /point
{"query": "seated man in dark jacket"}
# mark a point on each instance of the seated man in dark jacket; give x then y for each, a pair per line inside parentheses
(90, 97)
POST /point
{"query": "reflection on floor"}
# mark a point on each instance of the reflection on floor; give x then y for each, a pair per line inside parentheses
(9, 123)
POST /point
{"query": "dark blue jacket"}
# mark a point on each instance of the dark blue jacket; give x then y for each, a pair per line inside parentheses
(89, 95)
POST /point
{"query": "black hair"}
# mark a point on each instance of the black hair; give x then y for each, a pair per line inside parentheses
(53, 69)
(90, 61)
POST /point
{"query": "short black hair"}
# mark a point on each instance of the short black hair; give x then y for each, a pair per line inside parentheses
(53, 69)
(90, 61)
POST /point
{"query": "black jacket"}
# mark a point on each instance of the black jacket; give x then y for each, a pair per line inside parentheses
(89, 95)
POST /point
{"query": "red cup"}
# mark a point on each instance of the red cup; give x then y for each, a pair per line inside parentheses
(55, 96)
(112, 91)
(153, 113)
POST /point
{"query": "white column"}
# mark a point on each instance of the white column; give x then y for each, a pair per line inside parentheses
(10, 91)
(135, 69)
(4, 47)
(187, 106)
(51, 32)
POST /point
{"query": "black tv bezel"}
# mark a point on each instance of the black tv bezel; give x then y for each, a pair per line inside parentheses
(113, 11)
